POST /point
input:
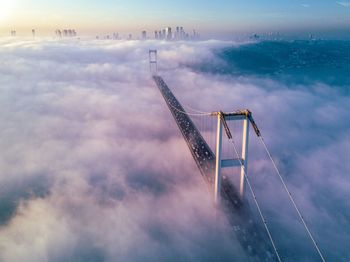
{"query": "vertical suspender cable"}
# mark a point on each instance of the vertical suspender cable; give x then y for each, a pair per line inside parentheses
(256, 203)
(292, 200)
(201, 113)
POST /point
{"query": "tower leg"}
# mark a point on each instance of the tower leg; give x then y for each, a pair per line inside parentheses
(244, 167)
(217, 188)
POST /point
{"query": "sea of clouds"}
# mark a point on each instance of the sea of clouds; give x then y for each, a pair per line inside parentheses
(93, 167)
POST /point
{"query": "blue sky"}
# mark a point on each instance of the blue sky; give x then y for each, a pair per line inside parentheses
(219, 16)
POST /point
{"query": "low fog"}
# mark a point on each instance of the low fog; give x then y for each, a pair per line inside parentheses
(94, 168)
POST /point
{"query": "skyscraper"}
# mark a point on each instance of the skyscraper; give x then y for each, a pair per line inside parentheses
(168, 33)
(144, 35)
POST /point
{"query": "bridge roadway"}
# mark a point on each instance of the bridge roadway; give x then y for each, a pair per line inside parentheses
(252, 237)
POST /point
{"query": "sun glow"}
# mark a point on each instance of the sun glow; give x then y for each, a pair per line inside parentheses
(6, 9)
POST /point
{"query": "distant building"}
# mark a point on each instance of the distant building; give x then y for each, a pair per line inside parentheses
(195, 35)
(143, 35)
(168, 33)
(254, 37)
(65, 33)
(182, 33)
(178, 34)
(58, 33)
(33, 32)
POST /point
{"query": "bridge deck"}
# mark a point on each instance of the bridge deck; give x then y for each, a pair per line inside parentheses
(251, 237)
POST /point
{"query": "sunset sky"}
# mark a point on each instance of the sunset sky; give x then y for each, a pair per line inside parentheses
(222, 16)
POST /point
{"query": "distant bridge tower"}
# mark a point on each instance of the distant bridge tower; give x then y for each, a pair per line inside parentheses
(153, 66)
(242, 162)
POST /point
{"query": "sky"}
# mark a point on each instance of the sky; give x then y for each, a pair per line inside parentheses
(209, 17)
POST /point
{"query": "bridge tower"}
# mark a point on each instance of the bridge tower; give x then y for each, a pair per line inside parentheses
(153, 66)
(242, 162)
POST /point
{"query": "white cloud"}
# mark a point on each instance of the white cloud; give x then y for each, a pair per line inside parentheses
(87, 117)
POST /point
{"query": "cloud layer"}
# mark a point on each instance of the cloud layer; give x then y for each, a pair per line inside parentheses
(93, 168)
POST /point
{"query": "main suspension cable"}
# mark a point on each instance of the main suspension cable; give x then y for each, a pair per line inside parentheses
(189, 114)
(256, 202)
(194, 110)
(292, 200)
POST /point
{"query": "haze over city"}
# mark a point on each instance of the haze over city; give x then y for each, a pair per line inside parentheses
(218, 19)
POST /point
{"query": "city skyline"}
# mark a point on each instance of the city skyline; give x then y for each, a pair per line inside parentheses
(210, 18)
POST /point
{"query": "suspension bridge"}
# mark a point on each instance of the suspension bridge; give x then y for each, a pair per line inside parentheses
(256, 240)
